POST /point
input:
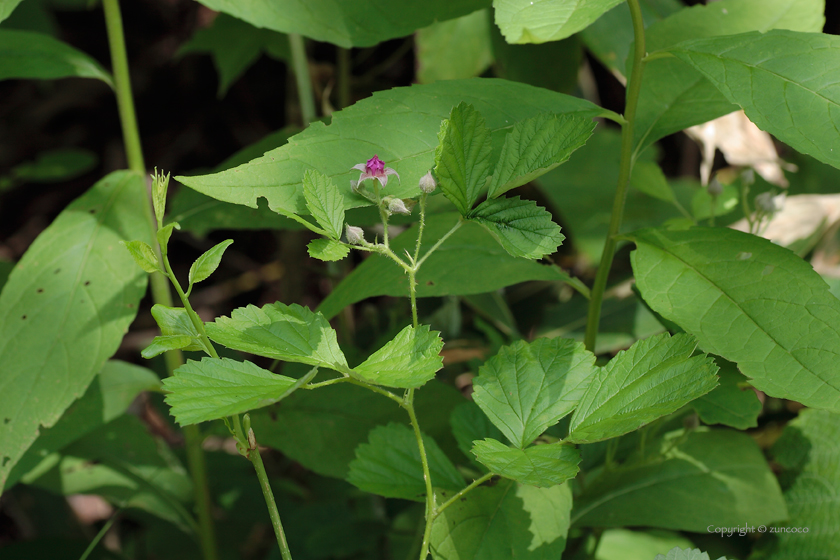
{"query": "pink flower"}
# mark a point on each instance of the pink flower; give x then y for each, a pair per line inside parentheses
(375, 169)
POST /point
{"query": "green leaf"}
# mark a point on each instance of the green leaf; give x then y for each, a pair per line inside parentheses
(506, 520)
(536, 146)
(538, 465)
(283, 332)
(324, 201)
(208, 262)
(143, 255)
(808, 451)
(729, 403)
(122, 462)
(107, 397)
(327, 250)
(462, 158)
(648, 178)
(526, 63)
(55, 165)
(469, 262)
(469, 36)
(403, 138)
(7, 7)
(675, 96)
(746, 283)
(174, 321)
(526, 388)
(321, 429)
(346, 23)
(26, 54)
(760, 71)
(389, 465)
(164, 233)
(652, 378)
(625, 544)
(66, 307)
(469, 423)
(540, 21)
(218, 387)
(408, 361)
(698, 478)
(165, 343)
(520, 226)
(235, 46)
(685, 554)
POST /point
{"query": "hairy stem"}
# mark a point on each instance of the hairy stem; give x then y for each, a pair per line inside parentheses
(302, 78)
(634, 85)
(256, 460)
(427, 477)
(475, 484)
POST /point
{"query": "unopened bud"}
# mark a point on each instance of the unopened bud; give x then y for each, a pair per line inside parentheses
(396, 206)
(427, 183)
(748, 176)
(768, 203)
(355, 235)
(715, 188)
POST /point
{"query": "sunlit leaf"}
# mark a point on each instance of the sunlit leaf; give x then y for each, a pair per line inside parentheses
(540, 21)
(208, 262)
(538, 465)
(469, 36)
(409, 360)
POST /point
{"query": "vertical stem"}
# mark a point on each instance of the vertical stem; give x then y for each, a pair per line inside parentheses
(412, 291)
(159, 284)
(634, 85)
(255, 458)
(345, 73)
(427, 477)
(302, 78)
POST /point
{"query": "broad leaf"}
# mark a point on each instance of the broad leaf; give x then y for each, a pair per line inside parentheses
(652, 378)
(327, 250)
(526, 388)
(107, 397)
(685, 554)
(540, 21)
(165, 343)
(507, 520)
(218, 387)
(325, 203)
(400, 125)
(718, 477)
(208, 262)
(469, 262)
(66, 307)
(409, 360)
(626, 544)
(346, 23)
(143, 255)
(536, 146)
(321, 429)
(283, 332)
(469, 36)
(707, 277)
(761, 72)
(469, 423)
(538, 465)
(462, 158)
(729, 403)
(521, 227)
(674, 96)
(808, 451)
(648, 178)
(389, 465)
(174, 321)
(26, 54)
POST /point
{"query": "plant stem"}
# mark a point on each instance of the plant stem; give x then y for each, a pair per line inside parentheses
(159, 287)
(427, 477)
(256, 460)
(302, 78)
(439, 243)
(475, 483)
(634, 85)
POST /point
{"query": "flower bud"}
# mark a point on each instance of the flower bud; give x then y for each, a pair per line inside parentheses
(355, 235)
(427, 183)
(748, 176)
(396, 205)
(768, 203)
(715, 188)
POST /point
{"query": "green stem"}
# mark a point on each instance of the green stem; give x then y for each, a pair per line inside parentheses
(412, 292)
(423, 198)
(302, 78)
(475, 484)
(105, 528)
(427, 477)
(256, 460)
(159, 285)
(634, 85)
(439, 243)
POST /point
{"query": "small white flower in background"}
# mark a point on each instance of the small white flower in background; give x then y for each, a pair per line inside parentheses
(768, 203)
(374, 168)
(355, 235)
(427, 183)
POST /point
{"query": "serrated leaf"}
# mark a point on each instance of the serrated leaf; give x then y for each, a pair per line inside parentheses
(733, 289)
(729, 403)
(536, 146)
(143, 255)
(698, 478)
(526, 388)
(409, 360)
(324, 202)
(762, 72)
(507, 520)
(327, 250)
(539, 465)
(208, 262)
(520, 226)
(462, 157)
(26, 54)
(174, 321)
(468, 35)
(389, 465)
(652, 378)
(65, 308)
(218, 387)
(161, 344)
(468, 424)
(540, 21)
(283, 332)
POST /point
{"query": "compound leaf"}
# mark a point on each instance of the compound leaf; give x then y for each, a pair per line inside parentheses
(409, 360)
(538, 465)
(520, 226)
